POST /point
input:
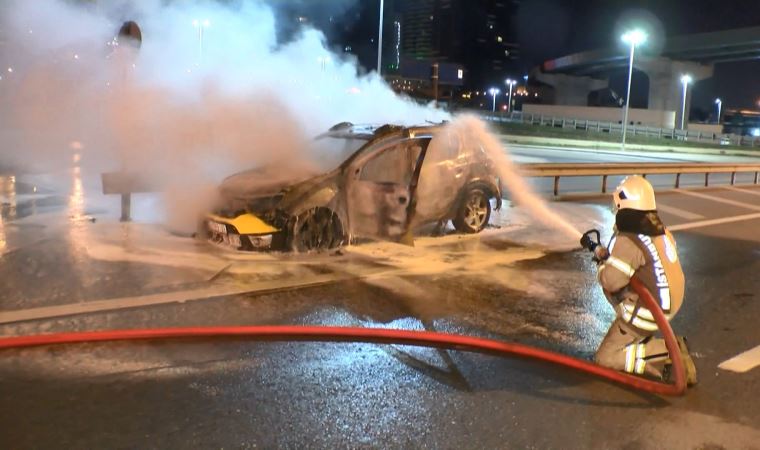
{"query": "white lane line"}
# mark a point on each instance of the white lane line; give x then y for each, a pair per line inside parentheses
(719, 199)
(708, 223)
(743, 362)
(50, 312)
(743, 191)
(678, 212)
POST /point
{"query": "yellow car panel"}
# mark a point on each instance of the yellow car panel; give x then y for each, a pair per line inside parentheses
(246, 224)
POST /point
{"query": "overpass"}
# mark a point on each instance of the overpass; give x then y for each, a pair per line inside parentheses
(575, 76)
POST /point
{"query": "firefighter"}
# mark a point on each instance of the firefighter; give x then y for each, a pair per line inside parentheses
(641, 246)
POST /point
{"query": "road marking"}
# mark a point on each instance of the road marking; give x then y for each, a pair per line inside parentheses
(719, 199)
(688, 215)
(113, 304)
(708, 223)
(743, 362)
(743, 191)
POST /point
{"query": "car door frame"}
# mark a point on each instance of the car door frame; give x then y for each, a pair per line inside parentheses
(353, 173)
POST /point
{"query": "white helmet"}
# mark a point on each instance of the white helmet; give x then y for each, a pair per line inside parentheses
(634, 192)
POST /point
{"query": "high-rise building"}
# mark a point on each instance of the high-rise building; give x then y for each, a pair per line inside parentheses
(478, 34)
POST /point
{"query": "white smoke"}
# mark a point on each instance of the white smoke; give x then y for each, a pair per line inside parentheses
(188, 112)
(185, 111)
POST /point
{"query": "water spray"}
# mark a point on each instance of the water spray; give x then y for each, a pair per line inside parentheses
(472, 131)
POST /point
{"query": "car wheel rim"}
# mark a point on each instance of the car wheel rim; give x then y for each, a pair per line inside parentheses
(476, 211)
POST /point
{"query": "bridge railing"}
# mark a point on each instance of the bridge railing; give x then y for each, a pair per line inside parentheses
(617, 128)
(604, 170)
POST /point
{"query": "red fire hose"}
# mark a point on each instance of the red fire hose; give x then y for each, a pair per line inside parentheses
(388, 336)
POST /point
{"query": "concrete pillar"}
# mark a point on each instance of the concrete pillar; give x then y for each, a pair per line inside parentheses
(570, 90)
(665, 87)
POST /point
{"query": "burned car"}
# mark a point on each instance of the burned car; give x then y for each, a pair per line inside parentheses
(399, 179)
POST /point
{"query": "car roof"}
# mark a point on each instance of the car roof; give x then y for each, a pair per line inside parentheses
(368, 132)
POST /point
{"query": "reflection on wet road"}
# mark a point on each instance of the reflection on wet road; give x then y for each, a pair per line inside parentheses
(71, 265)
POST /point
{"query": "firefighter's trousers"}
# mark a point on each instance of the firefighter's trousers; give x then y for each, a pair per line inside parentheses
(633, 350)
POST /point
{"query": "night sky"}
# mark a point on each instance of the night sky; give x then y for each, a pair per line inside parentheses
(547, 29)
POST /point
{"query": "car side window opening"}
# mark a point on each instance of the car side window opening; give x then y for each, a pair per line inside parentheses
(393, 165)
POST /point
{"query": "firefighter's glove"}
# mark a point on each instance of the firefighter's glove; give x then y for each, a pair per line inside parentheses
(601, 254)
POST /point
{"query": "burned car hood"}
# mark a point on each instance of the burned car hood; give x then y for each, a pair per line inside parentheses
(264, 189)
(264, 181)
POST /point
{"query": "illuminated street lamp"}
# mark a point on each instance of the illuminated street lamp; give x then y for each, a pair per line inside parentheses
(494, 92)
(720, 106)
(685, 80)
(632, 38)
(201, 25)
(511, 83)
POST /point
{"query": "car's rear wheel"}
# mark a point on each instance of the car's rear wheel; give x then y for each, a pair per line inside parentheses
(315, 229)
(474, 211)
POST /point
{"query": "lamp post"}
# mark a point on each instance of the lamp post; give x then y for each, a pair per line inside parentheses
(494, 92)
(200, 25)
(685, 80)
(380, 40)
(719, 102)
(511, 83)
(632, 38)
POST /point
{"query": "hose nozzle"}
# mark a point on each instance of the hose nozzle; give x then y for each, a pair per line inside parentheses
(591, 240)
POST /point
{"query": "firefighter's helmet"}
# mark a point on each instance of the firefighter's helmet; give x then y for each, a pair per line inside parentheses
(635, 192)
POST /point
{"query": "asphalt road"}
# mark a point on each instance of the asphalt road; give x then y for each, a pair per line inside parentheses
(61, 252)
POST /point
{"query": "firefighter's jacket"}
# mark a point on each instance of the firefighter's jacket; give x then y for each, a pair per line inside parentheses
(654, 261)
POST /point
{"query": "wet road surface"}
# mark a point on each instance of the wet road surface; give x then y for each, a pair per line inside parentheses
(63, 252)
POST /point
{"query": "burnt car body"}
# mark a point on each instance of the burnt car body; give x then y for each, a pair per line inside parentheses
(398, 180)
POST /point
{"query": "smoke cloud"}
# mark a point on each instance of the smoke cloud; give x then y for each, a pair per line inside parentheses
(209, 92)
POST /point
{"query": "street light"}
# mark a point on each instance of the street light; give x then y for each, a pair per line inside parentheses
(632, 38)
(685, 80)
(511, 83)
(494, 92)
(380, 40)
(719, 102)
(200, 25)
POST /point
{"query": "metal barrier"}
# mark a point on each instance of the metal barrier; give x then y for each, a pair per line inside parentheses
(125, 184)
(617, 128)
(604, 170)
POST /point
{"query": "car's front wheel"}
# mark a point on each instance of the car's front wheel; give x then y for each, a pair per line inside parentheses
(474, 211)
(315, 229)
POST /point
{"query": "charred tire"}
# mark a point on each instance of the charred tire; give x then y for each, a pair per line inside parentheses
(315, 229)
(474, 211)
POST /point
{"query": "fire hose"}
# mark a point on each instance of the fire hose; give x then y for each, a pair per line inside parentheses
(389, 336)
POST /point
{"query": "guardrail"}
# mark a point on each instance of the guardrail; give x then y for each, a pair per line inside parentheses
(126, 184)
(604, 170)
(617, 128)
